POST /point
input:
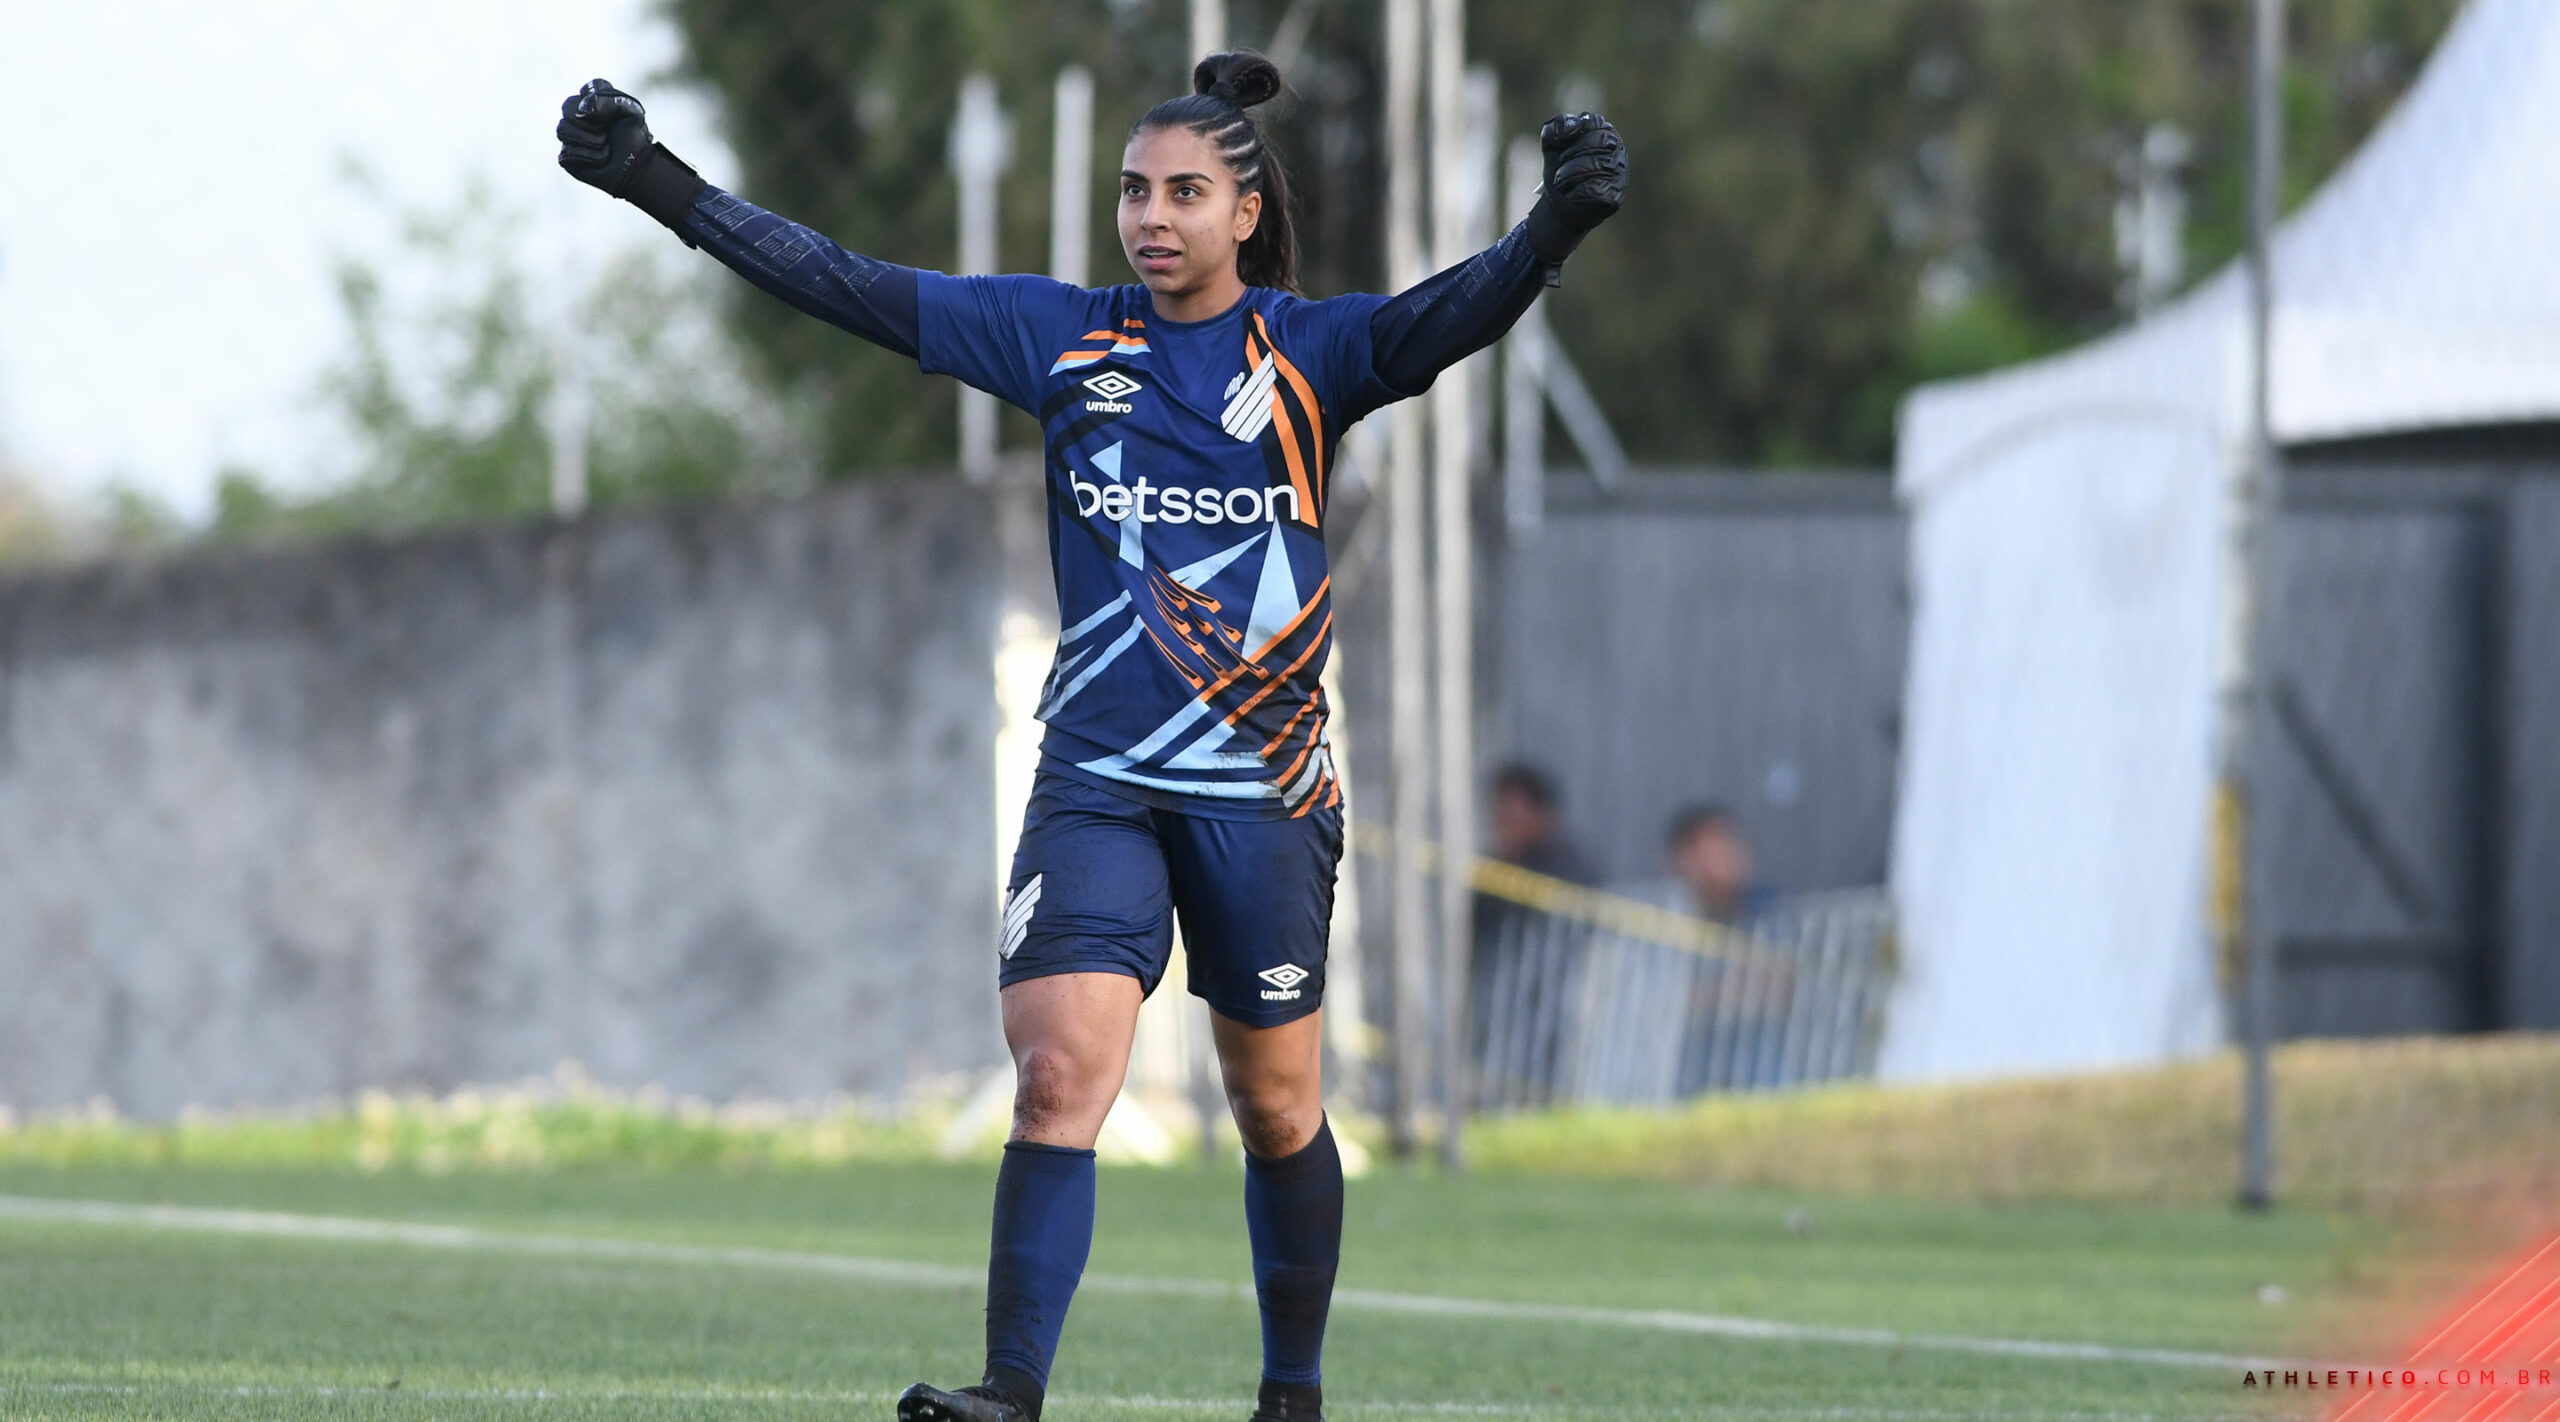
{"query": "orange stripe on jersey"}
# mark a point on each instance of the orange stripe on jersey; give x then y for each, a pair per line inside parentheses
(1306, 398)
(1186, 673)
(1313, 796)
(1267, 648)
(1326, 794)
(1254, 351)
(1274, 743)
(1254, 664)
(1284, 777)
(1084, 355)
(1314, 645)
(1306, 499)
(1099, 336)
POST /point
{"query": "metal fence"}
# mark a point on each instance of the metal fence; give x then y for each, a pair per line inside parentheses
(1582, 997)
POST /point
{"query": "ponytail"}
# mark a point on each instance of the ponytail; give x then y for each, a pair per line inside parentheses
(1223, 86)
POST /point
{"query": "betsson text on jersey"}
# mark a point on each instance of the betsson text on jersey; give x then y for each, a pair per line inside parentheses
(1173, 503)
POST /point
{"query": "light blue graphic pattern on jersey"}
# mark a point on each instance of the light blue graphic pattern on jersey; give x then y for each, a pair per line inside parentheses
(1188, 465)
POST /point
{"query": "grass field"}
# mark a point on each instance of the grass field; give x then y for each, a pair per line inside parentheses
(2444, 1126)
(121, 1316)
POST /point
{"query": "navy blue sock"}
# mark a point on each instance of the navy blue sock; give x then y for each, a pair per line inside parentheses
(1293, 1210)
(1043, 1234)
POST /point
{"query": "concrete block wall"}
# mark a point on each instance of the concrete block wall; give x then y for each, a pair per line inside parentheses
(701, 798)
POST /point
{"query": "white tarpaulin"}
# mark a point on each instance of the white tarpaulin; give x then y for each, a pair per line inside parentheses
(2068, 562)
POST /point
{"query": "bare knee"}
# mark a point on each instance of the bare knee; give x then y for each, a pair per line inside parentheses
(1069, 1035)
(1058, 1098)
(1275, 1120)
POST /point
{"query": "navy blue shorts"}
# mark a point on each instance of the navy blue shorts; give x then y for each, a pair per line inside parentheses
(1098, 879)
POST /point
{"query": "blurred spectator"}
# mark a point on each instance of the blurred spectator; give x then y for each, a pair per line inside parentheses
(1525, 964)
(1712, 864)
(1733, 1009)
(1528, 826)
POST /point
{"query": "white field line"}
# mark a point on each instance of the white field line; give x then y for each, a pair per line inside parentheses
(1138, 1403)
(790, 1396)
(341, 1229)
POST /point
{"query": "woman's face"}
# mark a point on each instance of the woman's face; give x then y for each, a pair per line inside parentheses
(1182, 215)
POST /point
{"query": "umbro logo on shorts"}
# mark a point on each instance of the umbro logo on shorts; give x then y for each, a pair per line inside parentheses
(1017, 915)
(1284, 982)
(1115, 388)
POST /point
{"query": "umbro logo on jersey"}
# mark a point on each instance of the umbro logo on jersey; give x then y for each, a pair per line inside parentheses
(1248, 411)
(1284, 982)
(1017, 915)
(1115, 388)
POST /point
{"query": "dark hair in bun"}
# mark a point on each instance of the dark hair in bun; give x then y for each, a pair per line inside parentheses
(1223, 87)
(1242, 77)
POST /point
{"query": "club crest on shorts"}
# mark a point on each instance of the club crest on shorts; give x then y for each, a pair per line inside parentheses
(1017, 915)
(1284, 982)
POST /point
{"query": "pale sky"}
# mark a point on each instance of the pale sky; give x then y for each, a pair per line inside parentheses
(172, 172)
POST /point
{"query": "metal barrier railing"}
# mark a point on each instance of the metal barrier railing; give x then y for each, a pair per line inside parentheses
(1581, 996)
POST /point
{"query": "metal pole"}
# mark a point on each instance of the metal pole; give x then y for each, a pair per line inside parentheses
(1071, 177)
(1524, 371)
(979, 156)
(2240, 824)
(1453, 581)
(1408, 729)
(1208, 28)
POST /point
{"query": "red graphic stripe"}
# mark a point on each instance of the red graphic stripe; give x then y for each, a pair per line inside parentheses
(2415, 1354)
(2482, 1360)
(2517, 1322)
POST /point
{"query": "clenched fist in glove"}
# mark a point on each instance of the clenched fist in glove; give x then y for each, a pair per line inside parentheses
(605, 143)
(1586, 179)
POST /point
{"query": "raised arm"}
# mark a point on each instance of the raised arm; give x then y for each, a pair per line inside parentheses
(1416, 335)
(873, 299)
(605, 142)
(1448, 317)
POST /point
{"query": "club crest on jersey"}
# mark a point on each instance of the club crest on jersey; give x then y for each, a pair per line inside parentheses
(1248, 411)
(1115, 388)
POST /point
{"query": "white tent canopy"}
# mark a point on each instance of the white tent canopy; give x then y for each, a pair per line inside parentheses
(2069, 520)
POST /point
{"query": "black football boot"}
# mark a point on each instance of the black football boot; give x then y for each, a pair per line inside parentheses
(979, 1403)
(1289, 1402)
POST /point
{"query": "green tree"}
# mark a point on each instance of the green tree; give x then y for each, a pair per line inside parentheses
(1833, 199)
(448, 398)
(841, 114)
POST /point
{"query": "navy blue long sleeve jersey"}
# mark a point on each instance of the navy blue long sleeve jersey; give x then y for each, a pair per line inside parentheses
(1188, 465)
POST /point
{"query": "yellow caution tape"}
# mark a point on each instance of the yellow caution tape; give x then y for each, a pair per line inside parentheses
(1612, 913)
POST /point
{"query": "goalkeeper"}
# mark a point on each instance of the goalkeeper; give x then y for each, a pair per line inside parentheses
(1190, 422)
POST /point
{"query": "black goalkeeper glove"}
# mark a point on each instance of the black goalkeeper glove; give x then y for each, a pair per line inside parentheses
(1586, 179)
(605, 143)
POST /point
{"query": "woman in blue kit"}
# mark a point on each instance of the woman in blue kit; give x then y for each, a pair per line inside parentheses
(1189, 423)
